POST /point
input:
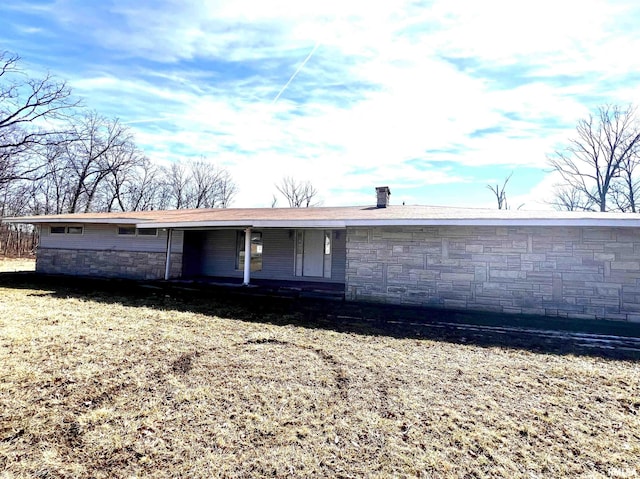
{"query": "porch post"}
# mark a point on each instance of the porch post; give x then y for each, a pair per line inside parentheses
(167, 267)
(247, 257)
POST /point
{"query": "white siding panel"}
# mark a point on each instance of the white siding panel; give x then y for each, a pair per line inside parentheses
(278, 255)
(105, 237)
(219, 254)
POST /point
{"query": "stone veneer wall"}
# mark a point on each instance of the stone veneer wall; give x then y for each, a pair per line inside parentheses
(579, 272)
(105, 263)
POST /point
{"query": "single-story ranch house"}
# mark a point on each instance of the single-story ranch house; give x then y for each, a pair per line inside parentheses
(563, 264)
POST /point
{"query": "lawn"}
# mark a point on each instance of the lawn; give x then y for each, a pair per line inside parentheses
(109, 384)
(17, 264)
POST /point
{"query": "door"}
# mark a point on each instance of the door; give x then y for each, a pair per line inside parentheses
(313, 253)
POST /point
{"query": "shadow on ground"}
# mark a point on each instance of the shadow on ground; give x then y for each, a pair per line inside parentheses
(606, 339)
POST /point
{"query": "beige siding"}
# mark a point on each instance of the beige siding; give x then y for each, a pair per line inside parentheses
(105, 237)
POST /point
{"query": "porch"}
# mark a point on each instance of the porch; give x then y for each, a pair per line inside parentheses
(265, 287)
(280, 258)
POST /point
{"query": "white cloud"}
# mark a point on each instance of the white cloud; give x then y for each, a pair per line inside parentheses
(540, 196)
(456, 84)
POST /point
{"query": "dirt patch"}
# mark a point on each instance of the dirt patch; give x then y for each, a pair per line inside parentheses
(183, 364)
(70, 432)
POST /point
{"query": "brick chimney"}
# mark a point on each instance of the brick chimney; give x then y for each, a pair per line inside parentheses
(383, 193)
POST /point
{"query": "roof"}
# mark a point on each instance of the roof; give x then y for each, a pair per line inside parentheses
(340, 217)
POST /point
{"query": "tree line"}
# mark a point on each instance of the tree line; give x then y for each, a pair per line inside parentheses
(95, 166)
(58, 157)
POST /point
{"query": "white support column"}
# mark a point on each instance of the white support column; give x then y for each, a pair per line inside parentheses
(167, 268)
(247, 257)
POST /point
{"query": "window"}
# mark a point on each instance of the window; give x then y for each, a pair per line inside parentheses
(148, 232)
(127, 230)
(133, 231)
(256, 251)
(69, 230)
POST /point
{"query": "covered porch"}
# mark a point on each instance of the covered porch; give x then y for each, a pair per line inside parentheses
(285, 258)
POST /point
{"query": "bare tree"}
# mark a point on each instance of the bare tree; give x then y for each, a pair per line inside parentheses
(15, 199)
(25, 105)
(76, 167)
(500, 193)
(604, 149)
(127, 176)
(227, 189)
(298, 194)
(570, 199)
(624, 191)
(99, 147)
(207, 184)
(141, 186)
(196, 184)
(16, 240)
(46, 193)
(176, 186)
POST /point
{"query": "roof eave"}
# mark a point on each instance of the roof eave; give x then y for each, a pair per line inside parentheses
(613, 223)
(341, 224)
(332, 224)
(630, 222)
(49, 220)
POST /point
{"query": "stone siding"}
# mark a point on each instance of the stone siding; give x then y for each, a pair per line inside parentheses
(104, 263)
(579, 272)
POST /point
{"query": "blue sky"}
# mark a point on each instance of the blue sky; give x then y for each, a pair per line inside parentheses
(435, 99)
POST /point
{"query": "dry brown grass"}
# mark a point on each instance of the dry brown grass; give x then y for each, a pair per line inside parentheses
(11, 265)
(101, 388)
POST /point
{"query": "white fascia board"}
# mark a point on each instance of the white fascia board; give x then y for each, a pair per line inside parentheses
(333, 224)
(610, 223)
(75, 221)
(631, 222)
(192, 224)
(342, 224)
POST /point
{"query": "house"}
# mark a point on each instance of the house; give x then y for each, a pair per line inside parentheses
(562, 264)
